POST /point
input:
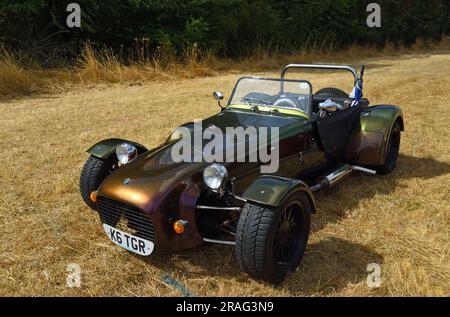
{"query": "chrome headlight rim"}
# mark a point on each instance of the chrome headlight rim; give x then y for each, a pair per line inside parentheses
(125, 153)
(215, 176)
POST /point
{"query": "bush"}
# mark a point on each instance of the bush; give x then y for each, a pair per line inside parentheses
(231, 28)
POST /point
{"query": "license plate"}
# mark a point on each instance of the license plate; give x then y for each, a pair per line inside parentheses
(128, 241)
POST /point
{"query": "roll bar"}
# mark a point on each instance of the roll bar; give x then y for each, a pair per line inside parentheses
(358, 78)
(324, 66)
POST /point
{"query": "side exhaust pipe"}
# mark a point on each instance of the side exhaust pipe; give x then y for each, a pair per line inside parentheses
(363, 170)
(332, 179)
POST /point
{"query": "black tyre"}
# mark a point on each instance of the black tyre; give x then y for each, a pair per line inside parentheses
(390, 159)
(330, 92)
(94, 172)
(270, 242)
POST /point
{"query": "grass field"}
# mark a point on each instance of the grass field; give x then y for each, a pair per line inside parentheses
(400, 221)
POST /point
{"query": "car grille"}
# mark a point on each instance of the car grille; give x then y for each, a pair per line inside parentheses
(125, 217)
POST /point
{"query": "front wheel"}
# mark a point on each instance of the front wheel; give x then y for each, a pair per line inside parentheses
(94, 172)
(270, 242)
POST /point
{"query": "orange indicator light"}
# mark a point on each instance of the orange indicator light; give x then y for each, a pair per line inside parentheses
(93, 196)
(179, 226)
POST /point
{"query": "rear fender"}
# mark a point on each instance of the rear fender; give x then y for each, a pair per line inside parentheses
(369, 140)
(272, 191)
(106, 148)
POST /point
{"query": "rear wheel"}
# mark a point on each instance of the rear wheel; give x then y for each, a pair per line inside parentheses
(270, 242)
(94, 172)
(390, 159)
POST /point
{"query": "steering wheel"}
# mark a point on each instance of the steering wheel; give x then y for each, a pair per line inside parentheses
(285, 102)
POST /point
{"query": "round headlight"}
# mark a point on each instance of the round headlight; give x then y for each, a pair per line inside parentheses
(126, 153)
(215, 175)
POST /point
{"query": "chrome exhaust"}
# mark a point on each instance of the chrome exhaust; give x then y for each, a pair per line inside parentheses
(363, 170)
(338, 175)
(331, 179)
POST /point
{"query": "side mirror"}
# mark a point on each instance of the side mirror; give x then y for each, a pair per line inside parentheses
(218, 96)
(329, 106)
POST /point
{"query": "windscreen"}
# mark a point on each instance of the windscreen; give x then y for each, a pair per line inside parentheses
(287, 94)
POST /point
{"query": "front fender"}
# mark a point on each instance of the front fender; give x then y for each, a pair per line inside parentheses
(274, 190)
(104, 149)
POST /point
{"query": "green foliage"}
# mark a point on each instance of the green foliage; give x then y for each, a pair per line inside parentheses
(227, 27)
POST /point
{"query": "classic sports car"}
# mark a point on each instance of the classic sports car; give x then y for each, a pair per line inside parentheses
(149, 201)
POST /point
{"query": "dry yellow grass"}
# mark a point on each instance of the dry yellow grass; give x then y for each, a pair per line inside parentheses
(103, 66)
(400, 221)
(95, 66)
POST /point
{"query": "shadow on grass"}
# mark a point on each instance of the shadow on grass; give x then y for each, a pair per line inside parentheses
(335, 203)
(328, 265)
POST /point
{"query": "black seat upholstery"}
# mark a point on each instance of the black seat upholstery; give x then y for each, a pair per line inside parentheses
(334, 129)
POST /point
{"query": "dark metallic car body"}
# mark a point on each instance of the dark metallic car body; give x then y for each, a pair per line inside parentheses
(165, 191)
